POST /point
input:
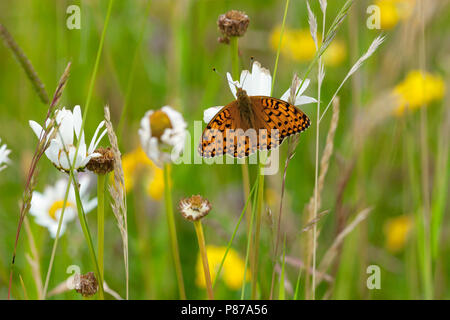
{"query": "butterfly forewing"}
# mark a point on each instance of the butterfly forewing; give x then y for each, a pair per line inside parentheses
(274, 120)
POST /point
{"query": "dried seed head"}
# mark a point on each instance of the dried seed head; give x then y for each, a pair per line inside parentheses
(86, 284)
(232, 24)
(102, 164)
(194, 208)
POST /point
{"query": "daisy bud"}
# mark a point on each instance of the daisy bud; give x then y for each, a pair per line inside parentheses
(102, 164)
(162, 135)
(86, 284)
(232, 24)
(194, 208)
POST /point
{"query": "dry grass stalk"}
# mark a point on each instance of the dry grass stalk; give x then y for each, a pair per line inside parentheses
(326, 156)
(310, 207)
(333, 250)
(372, 48)
(312, 24)
(25, 63)
(293, 142)
(314, 221)
(34, 262)
(44, 141)
(298, 263)
(118, 194)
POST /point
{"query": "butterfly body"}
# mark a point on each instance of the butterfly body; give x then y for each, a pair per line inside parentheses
(245, 108)
(250, 123)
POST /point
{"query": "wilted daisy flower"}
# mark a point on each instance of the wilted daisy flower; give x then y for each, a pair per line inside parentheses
(298, 45)
(3, 156)
(232, 272)
(393, 11)
(234, 23)
(136, 164)
(162, 134)
(69, 123)
(102, 164)
(46, 207)
(194, 208)
(397, 230)
(86, 284)
(418, 89)
(257, 83)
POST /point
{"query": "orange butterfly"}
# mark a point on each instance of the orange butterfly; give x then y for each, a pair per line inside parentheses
(254, 120)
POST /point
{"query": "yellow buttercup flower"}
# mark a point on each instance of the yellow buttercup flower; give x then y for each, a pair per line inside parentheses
(135, 164)
(298, 45)
(393, 11)
(418, 89)
(397, 230)
(232, 271)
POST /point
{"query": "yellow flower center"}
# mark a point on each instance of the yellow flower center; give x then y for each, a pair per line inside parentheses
(57, 205)
(159, 122)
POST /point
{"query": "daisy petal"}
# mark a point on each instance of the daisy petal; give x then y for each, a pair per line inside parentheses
(303, 88)
(77, 120)
(232, 84)
(93, 143)
(304, 100)
(209, 113)
(36, 127)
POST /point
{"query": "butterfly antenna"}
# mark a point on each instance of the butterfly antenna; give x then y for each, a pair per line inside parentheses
(252, 59)
(226, 79)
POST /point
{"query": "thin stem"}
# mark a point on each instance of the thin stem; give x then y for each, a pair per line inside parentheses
(130, 81)
(282, 291)
(249, 241)
(234, 47)
(297, 284)
(94, 75)
(424, 152)
(101, 185)
(173, 232)
(88, 99)
(203, 254)
(316, 171)
(87, 235)
(259, 201)
(247, 203)
(55, 243)
(279, 44)
(282, 188)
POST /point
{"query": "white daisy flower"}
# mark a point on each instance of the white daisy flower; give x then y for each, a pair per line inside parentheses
(69, 122)
(163, 134)
(3, 156)
(194, 208)
(257, 83)
(46, 207)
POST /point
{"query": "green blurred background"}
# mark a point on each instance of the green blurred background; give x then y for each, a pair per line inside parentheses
(173, 47)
